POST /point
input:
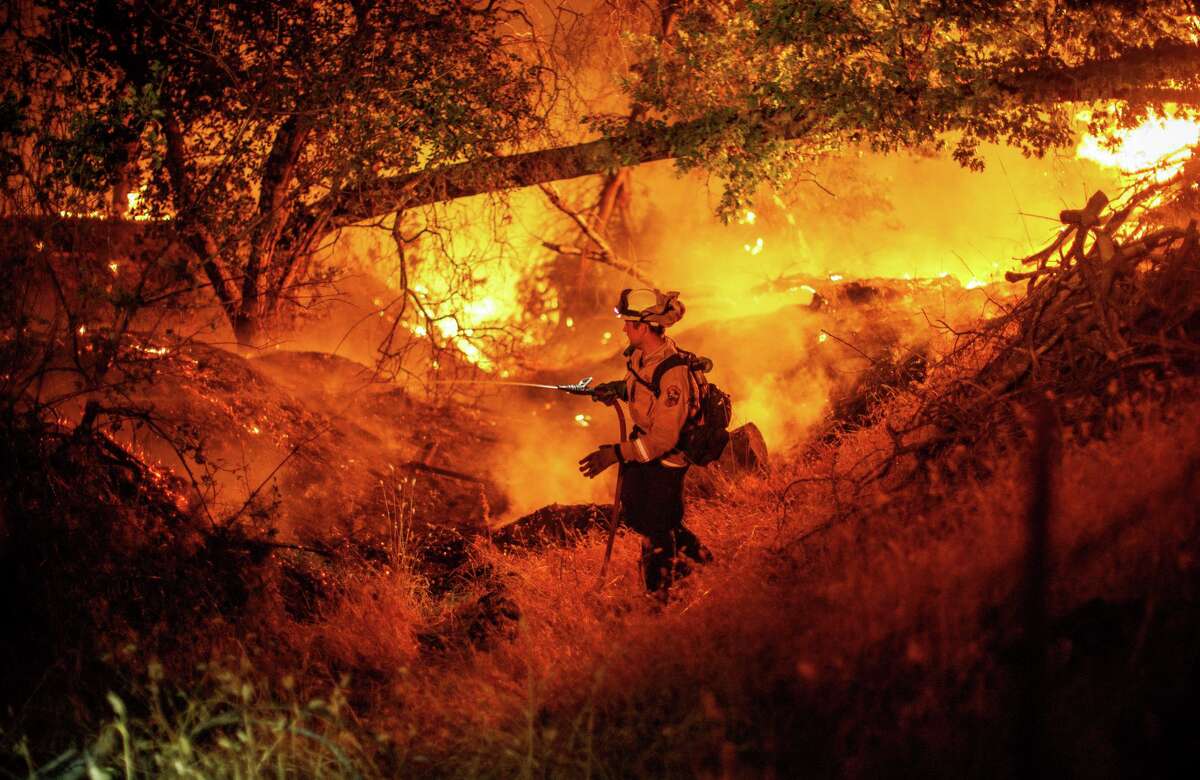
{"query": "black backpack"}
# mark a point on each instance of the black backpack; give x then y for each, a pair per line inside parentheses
(706, 430)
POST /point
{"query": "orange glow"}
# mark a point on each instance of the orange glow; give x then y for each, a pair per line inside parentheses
(1159, 144)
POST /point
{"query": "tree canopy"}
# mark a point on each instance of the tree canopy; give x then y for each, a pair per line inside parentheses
(233, 119)
(748, 89)
(261, 128)
(752, 76)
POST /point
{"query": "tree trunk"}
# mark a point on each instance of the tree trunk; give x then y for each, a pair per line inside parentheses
(247, 329)
(1119, 77)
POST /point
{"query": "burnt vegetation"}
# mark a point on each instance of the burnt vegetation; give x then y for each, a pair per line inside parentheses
(218, 558)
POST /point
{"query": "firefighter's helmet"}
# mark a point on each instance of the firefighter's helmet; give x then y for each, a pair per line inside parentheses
(650, 306)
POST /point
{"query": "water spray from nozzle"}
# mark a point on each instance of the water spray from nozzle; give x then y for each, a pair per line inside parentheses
(582, 387)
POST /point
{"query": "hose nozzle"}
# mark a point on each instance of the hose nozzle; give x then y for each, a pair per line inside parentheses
(582, 387)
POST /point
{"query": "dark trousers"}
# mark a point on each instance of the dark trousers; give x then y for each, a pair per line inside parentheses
(652, 505)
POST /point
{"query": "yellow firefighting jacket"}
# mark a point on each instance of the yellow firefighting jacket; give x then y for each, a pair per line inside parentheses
(657, 420)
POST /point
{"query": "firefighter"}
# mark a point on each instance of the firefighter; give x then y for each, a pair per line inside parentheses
(652, 467)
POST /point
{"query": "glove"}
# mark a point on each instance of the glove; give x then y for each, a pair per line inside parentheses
(609, 392)
(598, 461)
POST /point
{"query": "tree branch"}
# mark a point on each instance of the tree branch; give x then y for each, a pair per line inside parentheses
(277, 175)
(494, 174)
(563, 249)
(195, 235)
(605, 254)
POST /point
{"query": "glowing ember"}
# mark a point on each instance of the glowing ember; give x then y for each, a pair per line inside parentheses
(835, 277)
(1161, 144)
(82, 329)
(606, 337)
(583, 420)
(254, 429)
(821, 338)
(114, 267)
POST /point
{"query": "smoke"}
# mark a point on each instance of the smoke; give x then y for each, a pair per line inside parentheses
(747, 287)
(541, 439)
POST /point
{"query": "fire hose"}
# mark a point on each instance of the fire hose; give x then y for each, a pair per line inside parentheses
(616, 507)
(583, 387)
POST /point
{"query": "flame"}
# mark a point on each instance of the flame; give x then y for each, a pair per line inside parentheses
(466, 273)
(1159, 144)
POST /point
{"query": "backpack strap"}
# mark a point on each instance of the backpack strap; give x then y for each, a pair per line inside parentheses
(654, 384)
(662, 368)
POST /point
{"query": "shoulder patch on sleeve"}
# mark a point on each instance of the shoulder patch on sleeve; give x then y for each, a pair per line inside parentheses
(673, 395)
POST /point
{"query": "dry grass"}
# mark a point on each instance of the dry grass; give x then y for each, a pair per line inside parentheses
(872, 639)
(857, 629)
